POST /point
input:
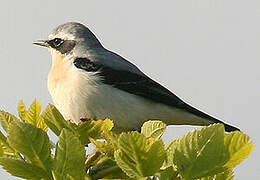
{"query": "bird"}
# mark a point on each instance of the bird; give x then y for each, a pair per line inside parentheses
(88, 81)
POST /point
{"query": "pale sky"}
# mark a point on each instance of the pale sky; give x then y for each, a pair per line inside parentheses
(205, 51)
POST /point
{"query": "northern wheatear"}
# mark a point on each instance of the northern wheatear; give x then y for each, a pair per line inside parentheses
(88, 81)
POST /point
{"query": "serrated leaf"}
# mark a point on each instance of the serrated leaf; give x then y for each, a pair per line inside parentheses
(32, 142)
(69, 156)
(22, 169)
(41, 124)
(170, 148)
(93, 129)
(53, 118)
(154, 129)
(238, 147)
(6, 119)
(201, 153)
(22, 110)
(33, 113)
(137, 156)
(7, 151)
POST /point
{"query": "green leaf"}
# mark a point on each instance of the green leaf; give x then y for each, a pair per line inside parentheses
(41, 124)
(112, 138)
(168, 174)
(3, 139)
(201, 153)
(93, 129)
(226, 175)
(206, 178)
(84, 130)
(139, 157)
(22, 110)
(22, 169)
(32, 142)
(238, 147)
(57, 176)
(104, 147)
(86, 177)
(170, 150)
(69, 156)
(1, 150)
(6, 119)
(154, 129)
(108, 146)
(33, 113)
(54, 119)
(108, 169)
(7, 151)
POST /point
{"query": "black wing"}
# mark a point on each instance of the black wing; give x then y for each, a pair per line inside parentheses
(142, 86)
(131, 82)
(139, 85)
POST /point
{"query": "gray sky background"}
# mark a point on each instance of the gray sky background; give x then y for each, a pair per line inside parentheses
(205, 51)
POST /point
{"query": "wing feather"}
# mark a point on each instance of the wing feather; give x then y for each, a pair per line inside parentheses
(142, 85)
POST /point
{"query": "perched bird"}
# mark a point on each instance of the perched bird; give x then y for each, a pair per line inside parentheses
(88, 81)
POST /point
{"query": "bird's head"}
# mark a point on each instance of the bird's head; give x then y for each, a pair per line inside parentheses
(70, 37)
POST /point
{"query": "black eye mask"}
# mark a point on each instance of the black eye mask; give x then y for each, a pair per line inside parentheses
(63, 46)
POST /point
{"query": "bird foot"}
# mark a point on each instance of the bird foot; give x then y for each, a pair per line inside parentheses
(85, 119)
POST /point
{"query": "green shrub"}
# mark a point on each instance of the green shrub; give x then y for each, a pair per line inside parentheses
(208, 153)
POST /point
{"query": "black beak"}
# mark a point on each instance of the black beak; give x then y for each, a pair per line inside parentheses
(43, 43)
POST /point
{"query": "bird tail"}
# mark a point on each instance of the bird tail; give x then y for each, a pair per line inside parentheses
(228, 128)
(209, 119)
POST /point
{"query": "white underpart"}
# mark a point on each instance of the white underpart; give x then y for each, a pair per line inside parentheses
(80, 94)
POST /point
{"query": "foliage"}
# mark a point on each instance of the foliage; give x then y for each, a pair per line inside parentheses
(205, 154)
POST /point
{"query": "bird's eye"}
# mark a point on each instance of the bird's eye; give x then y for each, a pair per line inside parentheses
(56, 42)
